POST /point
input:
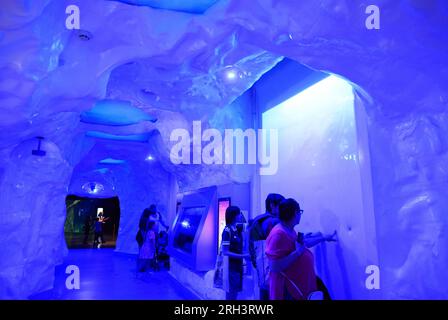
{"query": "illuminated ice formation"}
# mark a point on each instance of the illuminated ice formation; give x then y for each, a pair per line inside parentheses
(174, 67)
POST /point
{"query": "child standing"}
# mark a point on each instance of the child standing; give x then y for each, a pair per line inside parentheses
(232, 250)
(148, 250)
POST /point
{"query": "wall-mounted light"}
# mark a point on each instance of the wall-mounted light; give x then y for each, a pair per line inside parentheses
(39, 152)
(93, 187)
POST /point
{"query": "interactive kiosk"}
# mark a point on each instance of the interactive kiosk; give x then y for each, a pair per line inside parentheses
(194, 237)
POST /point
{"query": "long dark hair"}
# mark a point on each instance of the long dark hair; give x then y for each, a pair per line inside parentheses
(287, 209)
(231, 213)
(273, 199)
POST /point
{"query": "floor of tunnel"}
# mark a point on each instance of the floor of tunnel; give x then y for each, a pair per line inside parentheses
(78, 241)
(106, 275)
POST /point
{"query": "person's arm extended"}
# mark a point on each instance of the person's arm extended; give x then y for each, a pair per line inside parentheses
(281, 264)
(162, 221)
(227, 252)
(313, 239)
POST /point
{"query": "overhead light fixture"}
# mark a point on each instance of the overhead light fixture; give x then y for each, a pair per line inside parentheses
(232, 74)
(149, 158)
(93, 187)
(112, 161)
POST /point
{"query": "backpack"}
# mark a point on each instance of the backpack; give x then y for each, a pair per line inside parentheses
(261, 263)
(257, 248)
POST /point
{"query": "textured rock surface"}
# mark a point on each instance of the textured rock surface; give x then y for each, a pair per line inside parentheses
(31, 226)
(170, 65)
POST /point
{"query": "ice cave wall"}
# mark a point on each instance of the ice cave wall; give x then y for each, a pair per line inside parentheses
(402, 68)
(31, 226)
(48, 76)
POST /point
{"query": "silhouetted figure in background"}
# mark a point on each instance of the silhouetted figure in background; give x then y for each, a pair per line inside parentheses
(142, 227)
(99, 239)
(87, 227)
(157, 217)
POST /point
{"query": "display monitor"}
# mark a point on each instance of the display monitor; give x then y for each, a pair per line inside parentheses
(189, 221)
(194, 237)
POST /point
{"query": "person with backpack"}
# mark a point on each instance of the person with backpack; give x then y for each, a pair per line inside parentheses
(258, 233)
(292, 275)
(291, 263)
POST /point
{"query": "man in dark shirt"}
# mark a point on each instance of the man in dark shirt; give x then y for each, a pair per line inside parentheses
(87, 226)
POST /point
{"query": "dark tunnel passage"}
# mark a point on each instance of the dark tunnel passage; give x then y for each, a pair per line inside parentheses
(83, 227)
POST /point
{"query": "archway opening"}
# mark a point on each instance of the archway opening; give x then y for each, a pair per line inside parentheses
(91, 222)
(323, 162)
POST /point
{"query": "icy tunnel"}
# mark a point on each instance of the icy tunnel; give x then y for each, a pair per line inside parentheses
(193, 106)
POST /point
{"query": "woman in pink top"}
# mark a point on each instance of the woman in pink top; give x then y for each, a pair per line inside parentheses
(292, 273)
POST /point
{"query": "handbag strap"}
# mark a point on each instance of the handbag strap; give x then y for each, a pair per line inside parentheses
(220, 250)
(292, 283)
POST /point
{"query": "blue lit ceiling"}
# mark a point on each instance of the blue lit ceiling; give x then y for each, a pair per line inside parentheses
(112, 161)
(190, 6)
(143, 137)
(115, 113)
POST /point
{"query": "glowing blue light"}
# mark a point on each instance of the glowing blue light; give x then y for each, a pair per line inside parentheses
(232, 74)
(112, 161)
(93, 187)
(191, 6)
(102, 170)
(115, 113)
(287, 113)
(144, 137)
(149, 158)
